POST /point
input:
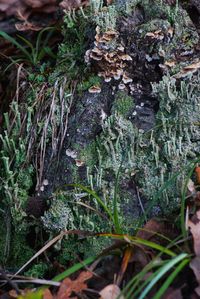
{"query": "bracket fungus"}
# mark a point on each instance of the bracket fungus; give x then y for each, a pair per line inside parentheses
(110, 58)
(94, 89)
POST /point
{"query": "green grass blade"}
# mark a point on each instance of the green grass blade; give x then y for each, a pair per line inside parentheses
(27, 42)
(171, 278)
(136, 240)
(115, 208)
(39, 43)
(129, 289)
(142, 284)
(183, 197)
(48, 51)
(14, 42)
(171, 243)
(154, 246)
(74, 268)
(162, 272)
(48, 36)
(12, 63)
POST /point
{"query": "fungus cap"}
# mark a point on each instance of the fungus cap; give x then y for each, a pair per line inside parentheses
(94, 89)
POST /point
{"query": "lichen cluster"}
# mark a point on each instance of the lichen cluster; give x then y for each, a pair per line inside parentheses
(147, 159)
(136, 42)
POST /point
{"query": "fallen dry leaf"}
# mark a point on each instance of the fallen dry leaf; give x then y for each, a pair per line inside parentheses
(24, 292)
(47, 294)
(197, 172)
(140, 257)
(111, 291)
(69, 286)
(22, 9)
(10, 7)
(73, 4)
(194, 225)
(191, 186)
(28, 26)
(150, 229)
(173, 294)
(195, 266)
(38, 3)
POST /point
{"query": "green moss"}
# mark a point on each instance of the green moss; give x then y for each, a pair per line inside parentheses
(83, 247)
(70, 59)
(88, 154)
(19, 252)
(58, 217)
(16, 175)
(149, 159)
(158, 158)
(37, 270)
(159, 9)
(4, 234)
(87, 83)
(123, 104)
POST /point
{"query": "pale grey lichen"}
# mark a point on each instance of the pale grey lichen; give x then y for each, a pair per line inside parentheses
(155, 157)
(58, 216)
(106, 19)
(149, 159)
(155, 161)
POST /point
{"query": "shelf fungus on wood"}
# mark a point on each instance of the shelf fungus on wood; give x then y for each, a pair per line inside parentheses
(109, 58)
(94, 89)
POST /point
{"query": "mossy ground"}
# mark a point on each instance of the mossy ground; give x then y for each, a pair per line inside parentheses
(146, 159)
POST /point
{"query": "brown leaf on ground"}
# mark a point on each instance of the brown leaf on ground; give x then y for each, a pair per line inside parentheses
(140, 256)
(47, 294)
(197, 172)
(191, 186)
(173, 294)
(73, 4)
(14, 294)
(194, 225)
(111, 291)
(195, 266)
(27, 7)
(39, 3)
(69, 286)
(10, 7)
(28, 26)
(153, 227)
(149, 230)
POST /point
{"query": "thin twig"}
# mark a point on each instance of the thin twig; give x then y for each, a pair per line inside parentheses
(35, 281)
(9, 281)
(141, 204)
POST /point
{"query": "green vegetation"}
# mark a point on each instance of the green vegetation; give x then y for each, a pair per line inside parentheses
(86, 84)
(29, 53)
(123, 104)
(121, 163)
(70, 58)
(16, 174)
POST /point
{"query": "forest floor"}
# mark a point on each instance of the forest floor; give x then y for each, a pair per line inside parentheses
(99, 149)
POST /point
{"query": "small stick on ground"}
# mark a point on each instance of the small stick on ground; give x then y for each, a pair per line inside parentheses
(141, 204)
